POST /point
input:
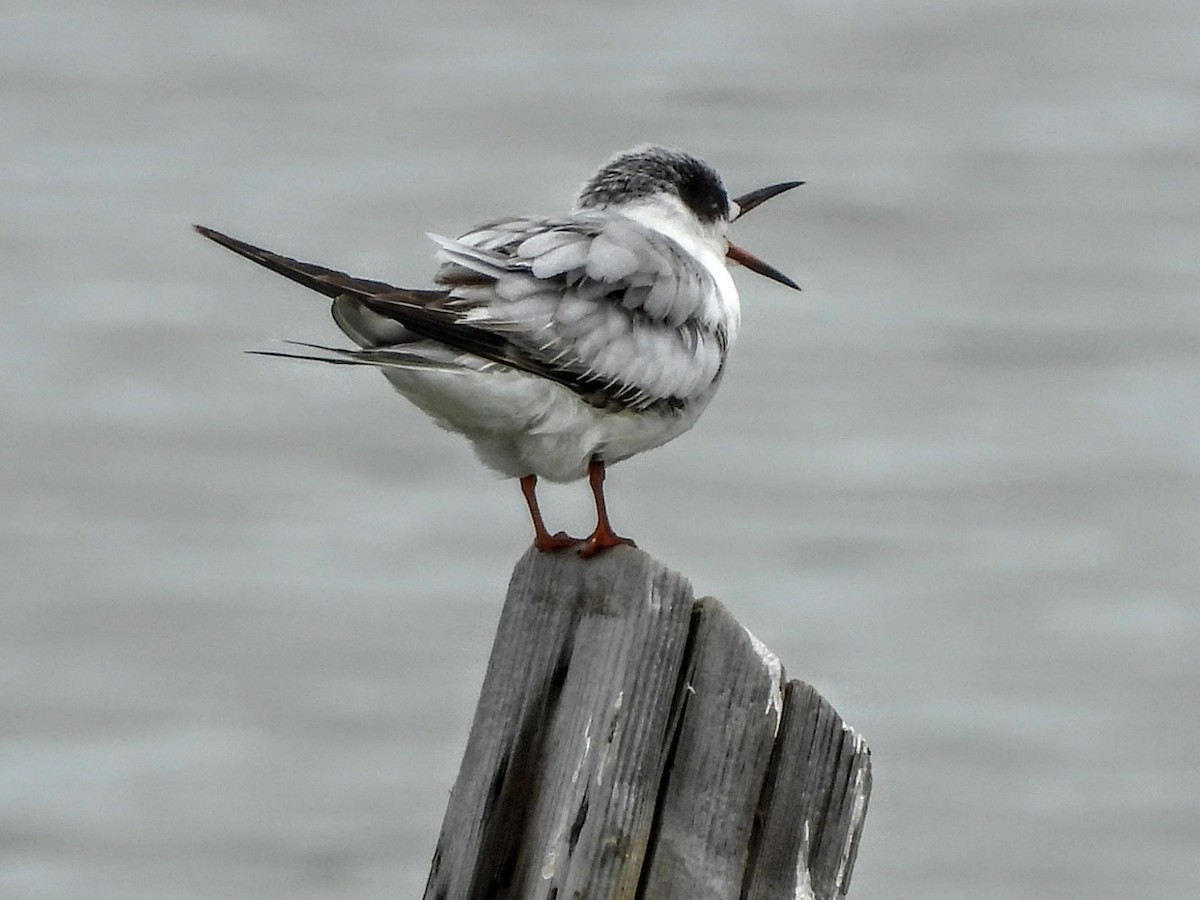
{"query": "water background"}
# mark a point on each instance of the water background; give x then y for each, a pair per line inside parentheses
(245, 604)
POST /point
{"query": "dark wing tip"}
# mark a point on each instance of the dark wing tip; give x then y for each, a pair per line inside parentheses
(224, 240)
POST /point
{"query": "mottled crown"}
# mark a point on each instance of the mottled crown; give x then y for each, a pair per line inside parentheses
(648, 170)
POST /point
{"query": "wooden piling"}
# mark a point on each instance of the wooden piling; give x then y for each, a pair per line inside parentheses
(632, 742)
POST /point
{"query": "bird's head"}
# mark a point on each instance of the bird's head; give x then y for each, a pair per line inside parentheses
(680, 195)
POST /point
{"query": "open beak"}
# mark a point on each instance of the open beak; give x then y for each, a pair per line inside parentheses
(745, 203)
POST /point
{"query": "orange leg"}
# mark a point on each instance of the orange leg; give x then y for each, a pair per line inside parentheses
(542, 539)
(603, 537)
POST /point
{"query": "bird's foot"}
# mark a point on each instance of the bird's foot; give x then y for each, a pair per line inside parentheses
(603, 539)
(552, 543)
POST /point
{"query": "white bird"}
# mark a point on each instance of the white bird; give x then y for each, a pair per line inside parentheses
(561, 345)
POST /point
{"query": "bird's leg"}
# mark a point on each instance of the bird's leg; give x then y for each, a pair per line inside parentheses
(542, 539)
(603, 537)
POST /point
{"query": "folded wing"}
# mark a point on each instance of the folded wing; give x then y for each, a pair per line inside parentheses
(614, 311)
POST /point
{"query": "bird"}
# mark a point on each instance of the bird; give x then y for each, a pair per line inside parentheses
(560, 345)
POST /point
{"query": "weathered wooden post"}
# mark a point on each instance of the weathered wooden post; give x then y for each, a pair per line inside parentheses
(632, 742)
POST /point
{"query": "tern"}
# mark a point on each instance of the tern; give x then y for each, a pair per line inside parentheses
(560, 345)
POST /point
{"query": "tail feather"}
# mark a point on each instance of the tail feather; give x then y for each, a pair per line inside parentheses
(430, 314)
(375, 358)
(352, 296)
(366, 327)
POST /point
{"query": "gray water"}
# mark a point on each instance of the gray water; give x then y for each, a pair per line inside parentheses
(246, 604)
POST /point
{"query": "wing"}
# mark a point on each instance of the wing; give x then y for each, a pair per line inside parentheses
(597, 295)
(617, 313)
